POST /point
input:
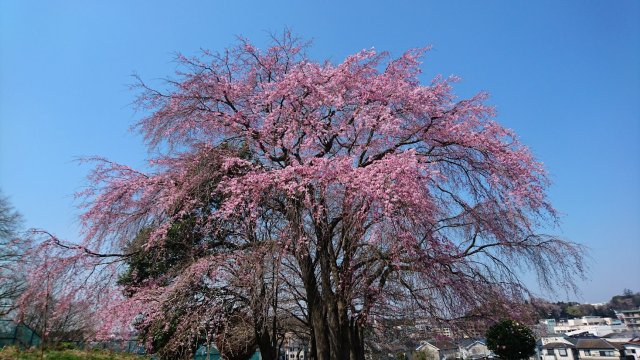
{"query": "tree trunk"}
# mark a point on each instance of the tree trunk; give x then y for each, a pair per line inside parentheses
(357, 342)
(331, 339)
(317, 319)
(267, 350)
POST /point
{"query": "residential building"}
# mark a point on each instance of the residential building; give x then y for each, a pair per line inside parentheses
(434, 329)
(295, 348)
(558, 351)
(549, 347)
(596, 349)
(552, 338)
(632, 319)
(440, 349)
(598, 326)
(474, 349)
(632, 349)
(549, 324)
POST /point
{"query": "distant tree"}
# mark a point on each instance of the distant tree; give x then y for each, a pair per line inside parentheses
(627, 301)
(575, 311)
(545, 310)
(511, 340)
(72, 321)
(10, 220)
(604, 311)
(11, 249)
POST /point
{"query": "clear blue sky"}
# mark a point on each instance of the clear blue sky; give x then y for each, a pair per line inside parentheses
(564, 75)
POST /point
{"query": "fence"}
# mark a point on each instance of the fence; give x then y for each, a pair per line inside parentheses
(17, 334)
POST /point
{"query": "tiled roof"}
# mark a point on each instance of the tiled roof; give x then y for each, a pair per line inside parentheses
(593, 344)
(443, 344)
(558, 345)
(617, 345)
(469, 342)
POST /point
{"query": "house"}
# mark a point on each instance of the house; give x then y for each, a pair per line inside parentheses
(474, 349)
(440, 349)
(632, 349)
(558, 351)
(556, 347)
(295, 348)
(596, 349)
(583, 346)
(550, 338)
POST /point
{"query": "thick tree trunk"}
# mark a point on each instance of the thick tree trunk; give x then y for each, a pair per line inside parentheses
(335, 337)
(323, 350)
(267, 350)
(331, 309)
(312, 350)
(357, 342)
(327, 303)
(317, 315)
(339, 335)
(331, 339)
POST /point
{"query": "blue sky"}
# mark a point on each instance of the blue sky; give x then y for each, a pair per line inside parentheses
(564, 75)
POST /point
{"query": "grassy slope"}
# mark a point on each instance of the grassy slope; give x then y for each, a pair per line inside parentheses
(12, 354)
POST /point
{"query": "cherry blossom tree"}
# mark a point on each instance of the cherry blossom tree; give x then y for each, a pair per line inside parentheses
(331, 194)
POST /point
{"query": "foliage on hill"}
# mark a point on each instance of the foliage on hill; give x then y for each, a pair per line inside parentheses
(568, 310)
(627, 301)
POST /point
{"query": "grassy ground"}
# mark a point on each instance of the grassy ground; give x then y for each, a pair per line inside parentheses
(11, 353)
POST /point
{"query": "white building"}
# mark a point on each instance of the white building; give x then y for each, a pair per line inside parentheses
(632, 348)
(558, 351)
(440, 349)
(295, 348)
(595, 325)
(631, 319)
(596, 349)
(474, 349)
(555, 347)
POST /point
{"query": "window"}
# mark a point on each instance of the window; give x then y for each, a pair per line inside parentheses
(633, 351)
(606, 352)
(549, 351)
(562, 352)
(587, 353)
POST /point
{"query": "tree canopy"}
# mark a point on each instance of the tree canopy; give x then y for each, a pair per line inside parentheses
(287, 194)
(511, 340)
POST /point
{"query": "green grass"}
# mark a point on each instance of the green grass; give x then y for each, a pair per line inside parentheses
(11, 353)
